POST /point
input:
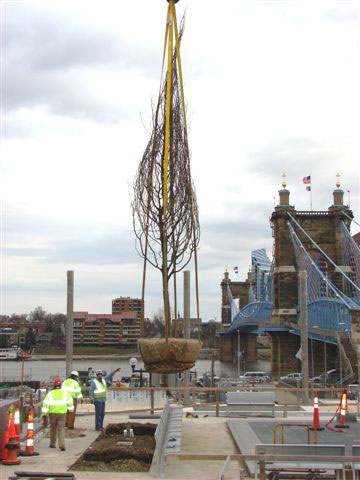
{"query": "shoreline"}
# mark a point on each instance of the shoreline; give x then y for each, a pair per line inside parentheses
(114, 356)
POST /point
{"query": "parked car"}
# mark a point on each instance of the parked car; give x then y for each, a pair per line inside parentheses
(255, 377)
(331, 377)
(354, 391)
(292, 378)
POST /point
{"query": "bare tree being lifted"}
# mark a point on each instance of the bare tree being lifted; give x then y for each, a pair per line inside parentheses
(165, 212)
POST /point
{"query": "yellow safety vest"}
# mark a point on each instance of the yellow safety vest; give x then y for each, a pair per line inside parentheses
(57, 401)
(101, 388)
(73, 387)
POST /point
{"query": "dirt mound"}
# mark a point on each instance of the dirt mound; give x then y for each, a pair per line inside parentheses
(138, 428)
(112, 452)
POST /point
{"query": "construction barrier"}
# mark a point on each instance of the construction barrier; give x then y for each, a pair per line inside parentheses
(17, 424)
(12, 445)
(316, 416)
(343, 408)
(30, 437)
(5, 441)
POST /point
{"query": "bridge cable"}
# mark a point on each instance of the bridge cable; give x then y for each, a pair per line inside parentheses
(323, 253)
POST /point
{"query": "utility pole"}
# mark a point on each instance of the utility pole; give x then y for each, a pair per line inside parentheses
(69, 322)
(304, 334)
(186, 326)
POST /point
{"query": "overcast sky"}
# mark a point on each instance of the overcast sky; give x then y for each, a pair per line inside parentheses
(272, 87)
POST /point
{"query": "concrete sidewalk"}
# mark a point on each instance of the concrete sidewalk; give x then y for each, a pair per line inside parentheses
(201, 435)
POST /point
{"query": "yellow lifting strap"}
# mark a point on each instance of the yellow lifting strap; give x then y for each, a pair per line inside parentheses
(171, 26)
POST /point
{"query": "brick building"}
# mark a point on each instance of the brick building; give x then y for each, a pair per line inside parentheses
(127, 304)
(106, 329)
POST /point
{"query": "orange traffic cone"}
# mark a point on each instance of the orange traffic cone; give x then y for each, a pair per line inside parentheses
(30, 449)
(316, 416)
(12, 445)
(17, 424)
(5, 441)
(343, 408)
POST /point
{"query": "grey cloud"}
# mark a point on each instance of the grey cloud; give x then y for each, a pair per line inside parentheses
(295, 155)
(49, 60)
(82, 244)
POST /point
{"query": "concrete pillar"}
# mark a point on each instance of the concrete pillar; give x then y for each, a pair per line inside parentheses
(250, 348)
(275, 349)
(284, 347)
(186, 325)
(225, 349)
(69, 322)
(304, 331)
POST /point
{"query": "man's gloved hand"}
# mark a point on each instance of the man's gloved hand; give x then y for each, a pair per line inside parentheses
(45, 421)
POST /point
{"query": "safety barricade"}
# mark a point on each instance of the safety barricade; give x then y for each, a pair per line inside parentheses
(296, 450)
(250, 402)
(355, 466)
(168, 435)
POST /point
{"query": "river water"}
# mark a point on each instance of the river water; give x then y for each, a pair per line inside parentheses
(44, 370)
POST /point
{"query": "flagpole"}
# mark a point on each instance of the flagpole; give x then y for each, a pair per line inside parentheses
(311, 197)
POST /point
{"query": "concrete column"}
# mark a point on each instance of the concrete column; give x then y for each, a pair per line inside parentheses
(69, 322)
(187, 304)
(251, 352)
(186, 325)
(304, 331)
(275, 348)
(226, 354)
(284, 347)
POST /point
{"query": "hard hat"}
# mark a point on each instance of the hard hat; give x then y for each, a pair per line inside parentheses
(99, 371)
(57, 382)
(75, 373)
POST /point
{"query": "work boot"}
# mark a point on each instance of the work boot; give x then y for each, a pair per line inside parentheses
(52, 446)
(62, 449)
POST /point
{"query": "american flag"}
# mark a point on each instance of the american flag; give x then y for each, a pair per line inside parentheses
(307, 180)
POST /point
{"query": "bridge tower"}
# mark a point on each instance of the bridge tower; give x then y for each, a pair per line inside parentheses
(230, 344)
(325, 229)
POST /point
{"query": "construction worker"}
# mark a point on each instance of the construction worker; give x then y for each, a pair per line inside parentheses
(71, 384)
(57, 403)
(97, 394)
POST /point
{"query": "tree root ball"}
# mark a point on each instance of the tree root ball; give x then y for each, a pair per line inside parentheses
(172, 356)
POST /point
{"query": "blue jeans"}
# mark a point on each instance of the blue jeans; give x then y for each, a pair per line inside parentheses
(99, 413)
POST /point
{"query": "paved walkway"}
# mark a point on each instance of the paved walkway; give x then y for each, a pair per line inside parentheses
(200, 435)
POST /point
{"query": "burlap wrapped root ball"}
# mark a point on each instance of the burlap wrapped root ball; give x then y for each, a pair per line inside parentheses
(173, 356)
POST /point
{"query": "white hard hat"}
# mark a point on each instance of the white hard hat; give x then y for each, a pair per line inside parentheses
(99, 371)
(75, 373)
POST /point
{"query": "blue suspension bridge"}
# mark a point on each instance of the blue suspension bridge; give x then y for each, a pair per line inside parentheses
(329, 303)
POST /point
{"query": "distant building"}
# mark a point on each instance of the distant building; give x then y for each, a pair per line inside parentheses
(210, 334)
(44, 338)
(195, 326)
(106, 329)
(8, 337)
(127, 304)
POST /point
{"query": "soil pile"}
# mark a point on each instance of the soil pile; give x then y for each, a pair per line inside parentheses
(112, 452)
